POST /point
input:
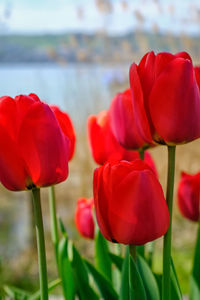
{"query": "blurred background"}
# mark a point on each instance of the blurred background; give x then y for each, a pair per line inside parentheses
(77, 54)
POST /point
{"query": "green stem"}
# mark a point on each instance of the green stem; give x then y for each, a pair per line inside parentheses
(141, 153)
(151, 246)
(40, 244)
(196, 262)
(132, 252)
(141, 249)
(166, 293)
(54, 224)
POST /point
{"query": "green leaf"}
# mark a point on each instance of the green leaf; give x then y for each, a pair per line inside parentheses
(51, 286)
(65, 270)
(196, 263)
(194, 289)
(141, 250)
(175, 287)
(116, 260)
(103, 261)
(158, 278)
(104, 286)
(124, 290)
(16, 293)
(62, 227)
(149, 281)
(84, 290)
(137, 290)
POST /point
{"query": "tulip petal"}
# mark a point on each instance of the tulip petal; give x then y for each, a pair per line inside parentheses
(123, 122)
(43, 146)
(66, 126)
(13, 174)
(140, 115)
(175, 103)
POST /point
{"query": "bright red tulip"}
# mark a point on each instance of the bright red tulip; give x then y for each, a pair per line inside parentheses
(129, 203)
(84, 217)
(123, 122)
(33, 149)
(189, 196)
(67, 128)
(166, 98)
(104, 145)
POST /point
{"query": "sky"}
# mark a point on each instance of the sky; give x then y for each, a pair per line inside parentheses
(112, 16)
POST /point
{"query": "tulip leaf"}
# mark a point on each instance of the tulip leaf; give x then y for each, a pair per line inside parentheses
(124, 290)
(194, 289)
(103, 261)
(149, 281)
(116, 260)
(51, 286)
(65, 269)
(141, 250)
(83, 288)
(175, 287)
(103, 284)
(16, 293)
(136, 286)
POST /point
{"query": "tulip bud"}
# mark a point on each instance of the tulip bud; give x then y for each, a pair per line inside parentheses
(189, 196)
(105, 147)
(84, 217)
(33, 151)
(123, 122)
(166, 98)
(129, 203)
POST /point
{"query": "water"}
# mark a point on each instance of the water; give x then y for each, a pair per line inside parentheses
(78, 89)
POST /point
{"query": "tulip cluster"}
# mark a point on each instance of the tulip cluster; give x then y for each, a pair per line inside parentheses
(161, 107)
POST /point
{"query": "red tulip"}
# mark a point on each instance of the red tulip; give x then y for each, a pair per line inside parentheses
(166, 98)
(104, 145)
(67, 128)
(84, 217)
(33, 149)
(129, 203)
(189, 196)
(123, 122)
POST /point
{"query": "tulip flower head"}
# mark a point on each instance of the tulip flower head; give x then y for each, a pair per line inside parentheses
(189, 196)
(67, 128)
(33, 150)
(166, 98)
(129, 203)
(103, 144)
(123, 122)
(84, 217)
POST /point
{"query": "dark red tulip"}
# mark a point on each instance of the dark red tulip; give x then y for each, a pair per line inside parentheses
(84, 217)
(123, 122)
(104, 145)
(166, 98)
(129, 203)
(189, 196)
(67, 128)
(33, 149)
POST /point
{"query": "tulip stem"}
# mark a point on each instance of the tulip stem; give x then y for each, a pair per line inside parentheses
(40, 244)
(141, 248)
(196, 262)
(166, 290)
(141, 153)
(54, 224)
(132, 252)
